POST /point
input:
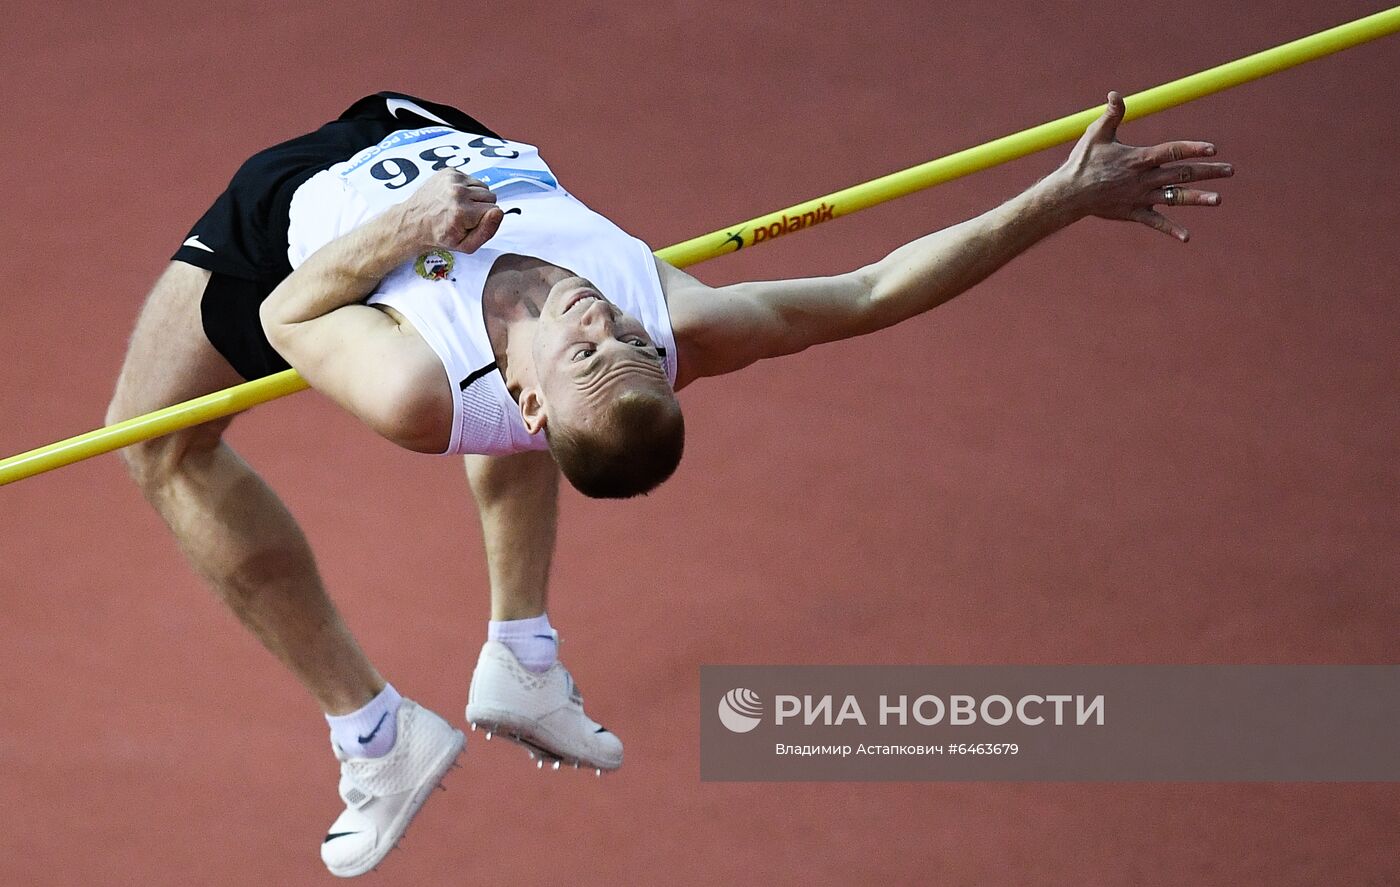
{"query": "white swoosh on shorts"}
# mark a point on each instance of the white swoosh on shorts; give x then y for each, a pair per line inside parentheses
(195, 242)
(396, 104)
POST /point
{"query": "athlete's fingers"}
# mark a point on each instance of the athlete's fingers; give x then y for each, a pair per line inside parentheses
(457, 176)
(484, 230)
(1105, 128)
(482, 194)
(457, 210)
(1186, 172)
(1153, 219)
(458, 185)
(1170, 152)
(468, 214)
(1184, 197)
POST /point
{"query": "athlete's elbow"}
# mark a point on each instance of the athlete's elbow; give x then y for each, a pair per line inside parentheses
(874, 300)
(275, 324)
(414, 415)
(889, 279)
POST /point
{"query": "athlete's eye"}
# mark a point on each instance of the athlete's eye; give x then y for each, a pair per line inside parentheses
(639, 342)
(581, 354)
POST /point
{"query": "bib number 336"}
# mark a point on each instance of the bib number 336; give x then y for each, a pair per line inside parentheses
(397, 172)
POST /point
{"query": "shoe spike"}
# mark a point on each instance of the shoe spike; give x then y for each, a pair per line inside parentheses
(556, 765)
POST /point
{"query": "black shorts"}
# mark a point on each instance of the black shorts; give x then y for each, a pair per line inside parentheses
(242, 239)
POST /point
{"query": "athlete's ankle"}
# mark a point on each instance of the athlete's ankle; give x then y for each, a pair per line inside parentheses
(533, 641)
(370, 731)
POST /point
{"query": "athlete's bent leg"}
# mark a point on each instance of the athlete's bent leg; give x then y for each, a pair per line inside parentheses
(519, 689)
(235, 531)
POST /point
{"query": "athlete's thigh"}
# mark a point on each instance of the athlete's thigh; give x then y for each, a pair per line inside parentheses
(169, 358)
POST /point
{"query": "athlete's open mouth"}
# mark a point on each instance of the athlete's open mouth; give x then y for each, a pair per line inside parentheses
(583, 296)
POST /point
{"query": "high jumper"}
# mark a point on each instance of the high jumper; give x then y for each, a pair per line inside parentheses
(434, 279)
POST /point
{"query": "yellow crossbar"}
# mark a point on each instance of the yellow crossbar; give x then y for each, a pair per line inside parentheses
(758, 230)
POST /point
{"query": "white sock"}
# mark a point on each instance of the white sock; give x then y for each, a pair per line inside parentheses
(532, 641)
(369, 732)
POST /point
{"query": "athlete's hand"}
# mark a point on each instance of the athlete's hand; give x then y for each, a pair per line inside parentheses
(1106, 178)
(451, 211)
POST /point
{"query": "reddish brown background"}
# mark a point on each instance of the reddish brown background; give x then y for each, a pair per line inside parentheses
(1120, 450)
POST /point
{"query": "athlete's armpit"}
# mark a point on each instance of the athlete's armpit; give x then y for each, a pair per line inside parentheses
(720, 330)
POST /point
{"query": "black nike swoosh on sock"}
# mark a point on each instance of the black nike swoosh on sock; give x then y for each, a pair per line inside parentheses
(333, 835)
(547, 637)
(365, 740)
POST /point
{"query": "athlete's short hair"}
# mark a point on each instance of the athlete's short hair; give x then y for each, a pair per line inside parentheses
(638, 446)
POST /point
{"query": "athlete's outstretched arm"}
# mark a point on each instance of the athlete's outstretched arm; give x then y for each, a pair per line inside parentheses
(725, 329)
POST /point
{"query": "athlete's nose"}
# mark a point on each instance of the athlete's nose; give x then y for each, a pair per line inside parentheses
(598, 312)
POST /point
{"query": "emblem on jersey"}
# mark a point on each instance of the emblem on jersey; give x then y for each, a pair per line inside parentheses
(435, 265)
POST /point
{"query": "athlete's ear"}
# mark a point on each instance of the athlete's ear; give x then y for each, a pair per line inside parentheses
(532, 409)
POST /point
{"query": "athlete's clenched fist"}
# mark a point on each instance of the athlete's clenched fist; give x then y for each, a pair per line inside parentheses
(451, 211)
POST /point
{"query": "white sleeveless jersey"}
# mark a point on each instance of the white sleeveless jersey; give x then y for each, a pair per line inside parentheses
(440, 293)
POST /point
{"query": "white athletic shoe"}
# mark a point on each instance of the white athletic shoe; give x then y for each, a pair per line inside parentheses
(541, 711)
(381, 795)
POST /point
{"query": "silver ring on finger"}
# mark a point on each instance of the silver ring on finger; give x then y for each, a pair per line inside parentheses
(1169, 196)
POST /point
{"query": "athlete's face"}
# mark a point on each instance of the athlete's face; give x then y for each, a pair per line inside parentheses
(587, 351)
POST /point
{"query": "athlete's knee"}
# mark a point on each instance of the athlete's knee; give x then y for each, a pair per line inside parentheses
(495, 479)
(152, 463)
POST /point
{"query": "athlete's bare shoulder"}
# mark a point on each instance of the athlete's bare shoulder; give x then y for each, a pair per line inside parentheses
(685, 302)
